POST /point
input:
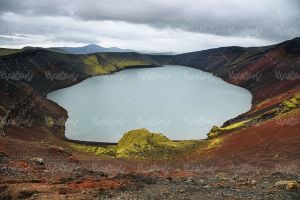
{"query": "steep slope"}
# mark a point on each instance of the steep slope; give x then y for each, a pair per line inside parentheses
(39, 71)
(46, 71)
(257, 69)
(268, 134)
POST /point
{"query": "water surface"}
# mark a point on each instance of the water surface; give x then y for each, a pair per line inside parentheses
(180, 102)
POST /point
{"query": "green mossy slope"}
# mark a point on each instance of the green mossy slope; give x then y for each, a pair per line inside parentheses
(141, 143)
(285, 106)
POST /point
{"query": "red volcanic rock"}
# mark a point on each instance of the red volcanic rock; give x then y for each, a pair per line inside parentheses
(19, 164)
(98, 184)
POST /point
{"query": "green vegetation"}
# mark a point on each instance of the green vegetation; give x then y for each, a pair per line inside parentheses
(4, 52)
(290, 104)
(95, 68)
(216, 131)
(285, 106)
(213, 143)
(235, 125)
(141, 144)
(103, 63)
(109, 150)
(126, 60)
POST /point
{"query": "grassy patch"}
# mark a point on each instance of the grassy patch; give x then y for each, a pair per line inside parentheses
(286, 106)
(109, 150)
(290, 104)
(235, 125)
(4, 52)
(216, 131)
(214, 143)
(102, 63)
(141, 144)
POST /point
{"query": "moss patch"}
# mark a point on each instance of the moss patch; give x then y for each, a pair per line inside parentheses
(109, 150)
(4, 52)
(141, 144)
(290, 104)
(286, 106)
(214, 143)
(103, 63)
(216, 131)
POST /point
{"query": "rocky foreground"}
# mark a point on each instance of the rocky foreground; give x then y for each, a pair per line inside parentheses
(67, 176)
(141, 166)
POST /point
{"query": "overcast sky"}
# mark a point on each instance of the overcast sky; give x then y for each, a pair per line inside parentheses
(149, 25)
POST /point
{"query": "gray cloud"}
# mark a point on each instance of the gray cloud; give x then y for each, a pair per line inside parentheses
(269, 20)
(227, 17)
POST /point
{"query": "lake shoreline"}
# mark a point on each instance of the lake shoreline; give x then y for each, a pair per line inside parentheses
(136, 90)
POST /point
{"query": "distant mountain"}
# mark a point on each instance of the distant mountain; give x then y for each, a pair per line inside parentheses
(92, 48)
(54, 49)
(158, 53)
